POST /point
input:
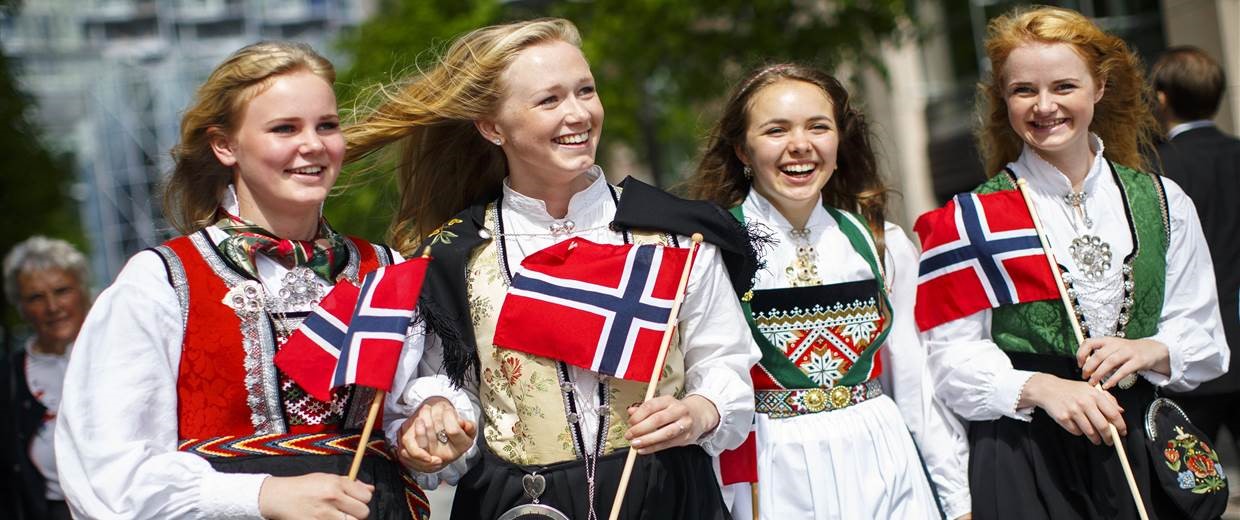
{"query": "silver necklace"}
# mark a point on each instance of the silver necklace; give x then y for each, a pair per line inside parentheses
(1091, 253)
(803, 272)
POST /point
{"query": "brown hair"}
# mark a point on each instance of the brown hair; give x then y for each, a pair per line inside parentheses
(196, 187)
(1191, 80)
(1122, 119)
(855, 185)
(444, 163)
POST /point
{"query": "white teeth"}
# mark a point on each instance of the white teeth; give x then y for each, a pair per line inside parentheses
(307, 170)
(798, 168)
(1048, 124)
(573, 139)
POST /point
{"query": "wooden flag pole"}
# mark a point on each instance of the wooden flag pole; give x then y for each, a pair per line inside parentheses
(365, 439)
(657, 370)
(1116, 440)
(371, 415)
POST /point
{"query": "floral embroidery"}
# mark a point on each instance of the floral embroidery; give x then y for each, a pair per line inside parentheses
(511, 369)
(824, 341)
(1201, 471)
(823, 369)
(441, 235)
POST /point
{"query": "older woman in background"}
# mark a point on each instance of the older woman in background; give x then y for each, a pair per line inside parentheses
(46, 279)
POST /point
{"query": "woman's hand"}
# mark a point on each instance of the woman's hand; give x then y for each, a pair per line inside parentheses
(666, 422)
(1113, 359)
(1076, 405)
(314, 496)
(434, 437)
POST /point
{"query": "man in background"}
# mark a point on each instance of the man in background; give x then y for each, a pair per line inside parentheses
(1203, 160)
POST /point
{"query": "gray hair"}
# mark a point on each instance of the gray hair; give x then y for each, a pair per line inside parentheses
(38, 253)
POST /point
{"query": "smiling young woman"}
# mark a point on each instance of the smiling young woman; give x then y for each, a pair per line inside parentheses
(174, 380)
(498, 162)
(1066, 109)
(832, 313)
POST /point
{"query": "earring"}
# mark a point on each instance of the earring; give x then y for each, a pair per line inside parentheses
(748, 172)
(497, 141)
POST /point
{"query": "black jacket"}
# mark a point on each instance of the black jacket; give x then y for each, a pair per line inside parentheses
(24, 489)
(1206, 163)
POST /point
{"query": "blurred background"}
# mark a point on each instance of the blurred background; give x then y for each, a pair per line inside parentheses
(91, 91)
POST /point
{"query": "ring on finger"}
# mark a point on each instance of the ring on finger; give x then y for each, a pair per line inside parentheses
(442, 436)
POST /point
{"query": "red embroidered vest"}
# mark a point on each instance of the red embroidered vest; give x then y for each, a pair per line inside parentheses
(216, 394)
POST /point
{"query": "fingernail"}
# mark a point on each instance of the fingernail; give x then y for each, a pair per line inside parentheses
(637, 442)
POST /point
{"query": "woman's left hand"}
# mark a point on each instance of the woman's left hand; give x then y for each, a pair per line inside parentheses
(1115, 358)
(666, 422)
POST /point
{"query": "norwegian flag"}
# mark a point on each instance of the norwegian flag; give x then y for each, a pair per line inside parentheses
(355, 335)
(595, 306)
(979, 252)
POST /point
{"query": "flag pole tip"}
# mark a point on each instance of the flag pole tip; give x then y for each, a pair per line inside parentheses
(697, 237)
(426, 252)
(1021, 182)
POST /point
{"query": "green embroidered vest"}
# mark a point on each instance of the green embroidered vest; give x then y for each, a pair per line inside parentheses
(1042, 327)
(525, 414)
(849, 323)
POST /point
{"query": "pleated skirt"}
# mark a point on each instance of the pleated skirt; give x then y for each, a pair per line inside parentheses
(859, 462)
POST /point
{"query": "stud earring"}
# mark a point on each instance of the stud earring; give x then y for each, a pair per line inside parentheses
(748, 172)
(497, 141)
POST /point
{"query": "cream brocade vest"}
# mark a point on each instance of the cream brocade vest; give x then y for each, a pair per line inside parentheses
(525, 419)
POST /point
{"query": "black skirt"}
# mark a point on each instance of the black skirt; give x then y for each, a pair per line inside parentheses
(1038, 471)
(390, 500)
(676, 483)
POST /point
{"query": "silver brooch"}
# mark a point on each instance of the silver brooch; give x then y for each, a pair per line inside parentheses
(299, 288)
(246, 298)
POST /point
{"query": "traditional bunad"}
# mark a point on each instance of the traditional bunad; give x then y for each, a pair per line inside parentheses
(561, 425)
(1136, 266)
(173, 407)
(842, 380)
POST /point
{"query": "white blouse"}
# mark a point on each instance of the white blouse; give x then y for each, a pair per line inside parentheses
(718, 349)
(939, 434)
(116, 435)
(977, 380)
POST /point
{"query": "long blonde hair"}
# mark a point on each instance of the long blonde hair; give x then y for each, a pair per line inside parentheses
(444, 164)
(194, 191)
(1122, 118)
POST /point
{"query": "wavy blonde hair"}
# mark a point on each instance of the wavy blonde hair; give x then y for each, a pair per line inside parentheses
(194, 191)
(856, 184)
(1122, 118)
(444, 164)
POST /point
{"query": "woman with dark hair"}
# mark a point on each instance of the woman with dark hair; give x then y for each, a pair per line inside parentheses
(497, 149)
(841, 382)
(1067, 110)
(173, 407)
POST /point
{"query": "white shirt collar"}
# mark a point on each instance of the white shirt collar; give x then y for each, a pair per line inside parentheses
(761, 208)
(1045, 177)
(1184, 127)
(581, 206)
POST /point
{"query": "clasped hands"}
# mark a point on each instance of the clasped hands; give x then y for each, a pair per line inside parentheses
(436, 435)
(1078, 406)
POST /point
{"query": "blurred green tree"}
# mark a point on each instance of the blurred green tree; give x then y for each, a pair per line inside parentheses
(662, 65)
(34, 181)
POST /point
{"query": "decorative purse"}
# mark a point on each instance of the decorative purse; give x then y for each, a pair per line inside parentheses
(1184, 459)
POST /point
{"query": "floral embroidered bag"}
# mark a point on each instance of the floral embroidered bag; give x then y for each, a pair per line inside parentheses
(1188, 468)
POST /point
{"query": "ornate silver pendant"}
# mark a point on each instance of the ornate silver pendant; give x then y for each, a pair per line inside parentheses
(300, 288)
(534, 485)
(1092, 256)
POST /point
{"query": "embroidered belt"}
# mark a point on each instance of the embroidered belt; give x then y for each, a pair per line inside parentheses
(789, 403)
(280, 444)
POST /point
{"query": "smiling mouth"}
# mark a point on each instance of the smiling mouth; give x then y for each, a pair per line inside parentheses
(573, 138)
(798, 170)
(1049, 123)
(307, 170)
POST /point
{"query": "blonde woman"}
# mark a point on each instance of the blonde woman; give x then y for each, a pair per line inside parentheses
(172, 405)
(497, 149)
(1067, 109)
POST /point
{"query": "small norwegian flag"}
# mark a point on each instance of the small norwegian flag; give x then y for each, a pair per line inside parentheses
(979, 252)
(596, 306)
(355, 335)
